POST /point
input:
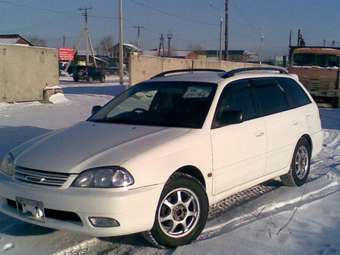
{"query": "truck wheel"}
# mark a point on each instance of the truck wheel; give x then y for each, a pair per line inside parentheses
(300, 166)
(335, 103)
(181, 214)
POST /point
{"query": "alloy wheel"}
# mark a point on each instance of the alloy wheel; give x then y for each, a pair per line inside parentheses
(179, 213)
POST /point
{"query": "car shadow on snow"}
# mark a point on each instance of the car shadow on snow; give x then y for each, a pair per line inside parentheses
(95, 90)
(14, 227)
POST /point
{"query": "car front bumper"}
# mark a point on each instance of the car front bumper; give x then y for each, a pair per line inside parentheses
(134, 209)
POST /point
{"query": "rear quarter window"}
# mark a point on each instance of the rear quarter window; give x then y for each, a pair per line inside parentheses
(270, 95)
(296, 95)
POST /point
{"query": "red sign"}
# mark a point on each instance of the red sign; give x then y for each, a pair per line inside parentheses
(66, 54)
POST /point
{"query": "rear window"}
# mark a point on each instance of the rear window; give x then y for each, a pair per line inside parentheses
(270, 96)
(296, 95)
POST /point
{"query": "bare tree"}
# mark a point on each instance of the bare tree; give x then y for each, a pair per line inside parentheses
(105, 46)
(37, 41)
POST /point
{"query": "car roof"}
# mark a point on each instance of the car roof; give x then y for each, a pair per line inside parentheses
(209, 77)
(220, 76)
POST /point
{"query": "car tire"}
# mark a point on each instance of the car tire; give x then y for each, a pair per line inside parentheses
(335, 103)
(300, 165)
(191, 209)
(76, 79)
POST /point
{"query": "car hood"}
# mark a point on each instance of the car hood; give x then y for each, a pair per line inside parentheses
(66, 150)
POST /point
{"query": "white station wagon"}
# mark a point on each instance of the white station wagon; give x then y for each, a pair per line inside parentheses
(153, 159)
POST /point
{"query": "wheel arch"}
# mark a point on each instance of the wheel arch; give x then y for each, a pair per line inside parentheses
(309, 140)
(193, 172)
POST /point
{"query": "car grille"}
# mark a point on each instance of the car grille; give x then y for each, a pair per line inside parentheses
(40, 177)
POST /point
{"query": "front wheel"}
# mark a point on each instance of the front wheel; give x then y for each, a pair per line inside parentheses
(300, 166)
(181, 213)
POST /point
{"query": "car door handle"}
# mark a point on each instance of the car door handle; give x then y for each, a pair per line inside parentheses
(259, 134)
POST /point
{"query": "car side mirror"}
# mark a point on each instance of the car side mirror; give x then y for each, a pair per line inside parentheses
(230, 117)
(96, 109)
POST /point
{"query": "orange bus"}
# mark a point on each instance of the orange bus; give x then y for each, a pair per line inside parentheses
(318, 70)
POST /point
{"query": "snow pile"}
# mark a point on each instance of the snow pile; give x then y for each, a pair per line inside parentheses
(58, 98)
(54, 87)
(8, 246)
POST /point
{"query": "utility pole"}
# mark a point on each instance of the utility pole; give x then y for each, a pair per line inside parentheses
(64, 41)
(139, 35)
(84, 34)
(221, 40)
(261, 46)
(161, 46)
(84, 12)
(121, 42)
(170, 36)
(226, 30)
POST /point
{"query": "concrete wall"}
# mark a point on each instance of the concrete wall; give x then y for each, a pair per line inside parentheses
(26, 71)
(144, 67)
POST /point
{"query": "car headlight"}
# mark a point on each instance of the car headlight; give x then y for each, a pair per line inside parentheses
(7, 165)
(105, 177)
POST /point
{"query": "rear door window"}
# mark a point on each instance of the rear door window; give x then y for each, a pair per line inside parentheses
(297, 96)
(270, 95)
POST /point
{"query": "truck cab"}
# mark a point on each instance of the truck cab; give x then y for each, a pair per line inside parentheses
(318, 70)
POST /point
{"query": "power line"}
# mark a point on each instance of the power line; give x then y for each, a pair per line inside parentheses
(39, 9)
(59, 12)
(85, 13)
(75, 15)
(139, 28)
(189, 19)
(245, 18)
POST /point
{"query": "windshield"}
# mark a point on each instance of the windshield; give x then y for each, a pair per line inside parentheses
(310, 59)
(171, 104)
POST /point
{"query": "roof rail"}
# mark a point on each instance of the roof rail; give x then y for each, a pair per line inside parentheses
(188, 71)
(250, 69)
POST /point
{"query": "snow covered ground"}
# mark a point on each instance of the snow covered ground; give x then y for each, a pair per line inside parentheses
(266, 219)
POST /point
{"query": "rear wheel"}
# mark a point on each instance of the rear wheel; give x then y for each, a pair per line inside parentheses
(300, 166)
(181, 214)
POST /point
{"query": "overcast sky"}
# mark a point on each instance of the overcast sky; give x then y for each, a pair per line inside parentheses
(192, 22)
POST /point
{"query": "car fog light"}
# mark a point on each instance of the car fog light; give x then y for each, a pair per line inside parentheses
(101, 222)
